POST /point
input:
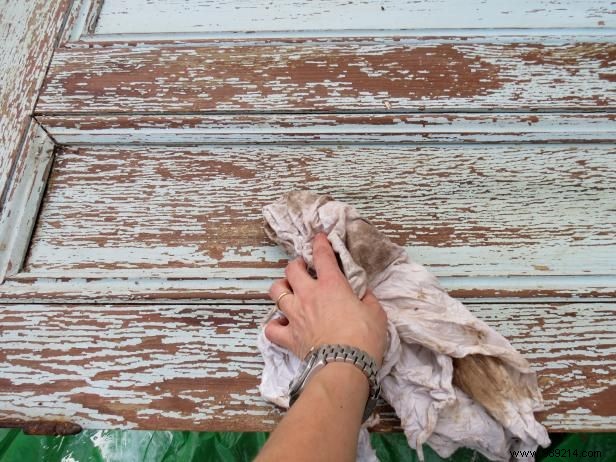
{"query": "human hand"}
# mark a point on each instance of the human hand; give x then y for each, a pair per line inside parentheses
(325, 310)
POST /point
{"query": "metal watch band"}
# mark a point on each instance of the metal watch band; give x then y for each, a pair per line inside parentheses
(319, 357)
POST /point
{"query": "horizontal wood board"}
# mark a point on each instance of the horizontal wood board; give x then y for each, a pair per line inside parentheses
(322, 16)
(382, 76)
(332, 128)
(120, 287)
(472, 210)
(187, 367)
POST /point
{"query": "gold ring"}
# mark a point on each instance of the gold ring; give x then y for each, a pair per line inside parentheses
(280, 297)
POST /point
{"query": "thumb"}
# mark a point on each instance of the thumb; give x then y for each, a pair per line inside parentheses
(278, 332)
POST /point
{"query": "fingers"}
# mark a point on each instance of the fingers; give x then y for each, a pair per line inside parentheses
(298, 276)
(285, 302)
(277, 332)
(324, 258)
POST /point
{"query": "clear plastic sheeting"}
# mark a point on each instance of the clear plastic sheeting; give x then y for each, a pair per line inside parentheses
(130, 446)
(163, 446)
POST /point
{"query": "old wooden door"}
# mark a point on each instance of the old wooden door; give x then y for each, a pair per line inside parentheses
(478, 134)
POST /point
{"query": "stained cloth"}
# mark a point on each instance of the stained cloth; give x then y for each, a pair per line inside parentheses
(452, 380)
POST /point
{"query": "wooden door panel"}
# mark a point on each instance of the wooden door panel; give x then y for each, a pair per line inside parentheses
(196, 211)
(164, 367)
(339, 76)
(320, 17)
(480, 137)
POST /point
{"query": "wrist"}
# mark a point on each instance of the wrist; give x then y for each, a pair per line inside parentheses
(337, 376)
(338, 384)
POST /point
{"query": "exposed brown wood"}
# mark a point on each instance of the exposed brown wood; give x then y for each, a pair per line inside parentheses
(28, 30)
(172, 147)
(191, 367)
(195, 212)
(120, 288)
(42, 427)
(46, 427)
(386, 76)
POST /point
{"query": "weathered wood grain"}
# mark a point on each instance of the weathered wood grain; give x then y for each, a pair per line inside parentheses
(94, 8)
(321, 17)
(23, 198)
(178, 129)
(77, 18)
(190, 367)
(28, 31)
(118, 287)
(195, 212)
(503, 215)
(391, 75)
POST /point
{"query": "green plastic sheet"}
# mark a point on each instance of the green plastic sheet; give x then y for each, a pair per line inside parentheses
(162, 446)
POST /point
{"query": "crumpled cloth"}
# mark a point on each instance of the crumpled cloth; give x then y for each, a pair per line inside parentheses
(452, 380)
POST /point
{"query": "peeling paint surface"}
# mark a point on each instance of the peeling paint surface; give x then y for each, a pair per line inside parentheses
(480, 136)
(197, 366)
(21, 206)
(320, 16)
(333, 128)
(119, 286)
(176, 365)
(28, 30)
(346, 76)
(464, 211)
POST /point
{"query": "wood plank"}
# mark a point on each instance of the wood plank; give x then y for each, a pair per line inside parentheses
(389, 75)
(195, 212)
(23, 198)
(121, 288)
(187, 367)
(28, 31)
(117, 288)
(320, 16)
(332, 128)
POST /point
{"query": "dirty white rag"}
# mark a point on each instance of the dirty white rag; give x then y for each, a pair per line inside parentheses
(452, 380)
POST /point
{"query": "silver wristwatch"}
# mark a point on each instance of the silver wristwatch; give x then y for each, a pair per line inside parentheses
(318, 357)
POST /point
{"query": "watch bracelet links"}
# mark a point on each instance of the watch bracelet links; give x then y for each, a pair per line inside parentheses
(351, 355)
